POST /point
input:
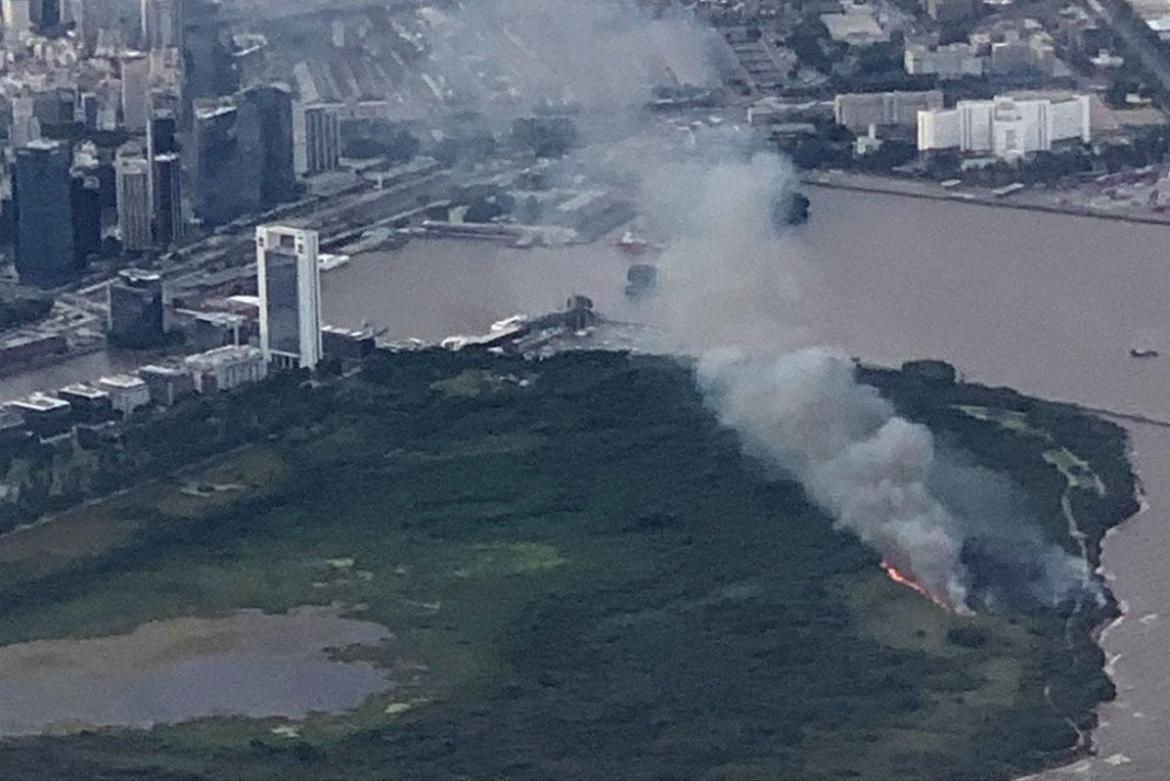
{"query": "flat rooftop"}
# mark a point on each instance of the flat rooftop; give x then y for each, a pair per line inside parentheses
(39, 402)
(165, 371)
(121, 381)
(85, 391)
(221, 356)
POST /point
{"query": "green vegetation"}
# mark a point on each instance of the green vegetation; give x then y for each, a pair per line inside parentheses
(584, 576)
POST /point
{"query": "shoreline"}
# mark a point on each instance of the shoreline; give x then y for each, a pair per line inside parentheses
(908, 188)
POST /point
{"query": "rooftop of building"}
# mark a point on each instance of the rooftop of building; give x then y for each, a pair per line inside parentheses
(85, 391)
(42, 145)
(27, 337)
(139, 276)
(121, 381)
(348, 333)
(39, 402)
(219, 318)
(160, 370)
(221, 356)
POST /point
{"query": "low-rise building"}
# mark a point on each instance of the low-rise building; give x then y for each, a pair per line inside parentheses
(860, 110)
(226, 367)
(346, 344)
(44, 415)
(29, 346)
(136, 310)
(951, 61)
(90, 405)
(127, 392)
(1006, 127)
(167, 384)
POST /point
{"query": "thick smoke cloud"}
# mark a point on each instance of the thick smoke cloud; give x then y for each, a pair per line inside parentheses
(733, 293)
(870, 468)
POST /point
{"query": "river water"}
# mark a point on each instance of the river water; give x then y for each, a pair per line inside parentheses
(1049, 304)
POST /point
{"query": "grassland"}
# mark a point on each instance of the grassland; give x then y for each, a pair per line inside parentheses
(584, 576)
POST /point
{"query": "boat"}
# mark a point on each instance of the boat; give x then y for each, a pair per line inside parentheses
(632, 245)
(640, 279)
(1143, 352)
(329, 262)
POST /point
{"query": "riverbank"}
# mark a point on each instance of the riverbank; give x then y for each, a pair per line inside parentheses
(1023, 199)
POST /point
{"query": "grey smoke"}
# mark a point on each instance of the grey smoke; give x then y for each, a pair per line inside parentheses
(732, 292)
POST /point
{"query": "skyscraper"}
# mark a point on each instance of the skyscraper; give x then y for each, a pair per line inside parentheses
(160, 24)
(41, 186)
(17, 18)
(322, 138)
(135, 71)
(86, 205)
(160, 133)
(168, 202)
(134, 201)
(45, 13)
(225, 162)
(289, 283)
(272, 107)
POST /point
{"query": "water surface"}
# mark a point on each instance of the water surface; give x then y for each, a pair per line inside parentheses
(165, 672)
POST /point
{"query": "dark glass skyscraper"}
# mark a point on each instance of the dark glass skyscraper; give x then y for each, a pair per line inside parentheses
(167, 193)
(225, 162)
(41, 190)
(273, 110)
(86, 205)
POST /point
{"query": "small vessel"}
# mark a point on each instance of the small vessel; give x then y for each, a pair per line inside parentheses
(328, 262)
(632, 245)
(1143, 352)
(640, 279)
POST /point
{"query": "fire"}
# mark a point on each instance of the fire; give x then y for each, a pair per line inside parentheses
(910, 583)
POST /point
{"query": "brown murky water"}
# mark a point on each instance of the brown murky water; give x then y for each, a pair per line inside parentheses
(165, 672)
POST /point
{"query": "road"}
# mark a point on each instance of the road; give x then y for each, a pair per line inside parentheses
(1130, 29)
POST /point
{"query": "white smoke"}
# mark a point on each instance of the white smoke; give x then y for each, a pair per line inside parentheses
(804, 411)
(732, 291)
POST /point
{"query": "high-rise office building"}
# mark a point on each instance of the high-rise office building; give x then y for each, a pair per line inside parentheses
(17, 18)
(161, 26)
(25, 126)
(134, 199)
(272, 107)
(45, 13)
(86, 204)
(161, 131)
(166, 190)
(41, 184)
(87, 110)
(320, 126)
(289, 283)
(135, 72)
(225, 162)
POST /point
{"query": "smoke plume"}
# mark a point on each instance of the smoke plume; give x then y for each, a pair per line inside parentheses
(732, 292)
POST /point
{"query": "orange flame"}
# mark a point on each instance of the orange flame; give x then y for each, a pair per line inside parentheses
(910, 583)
